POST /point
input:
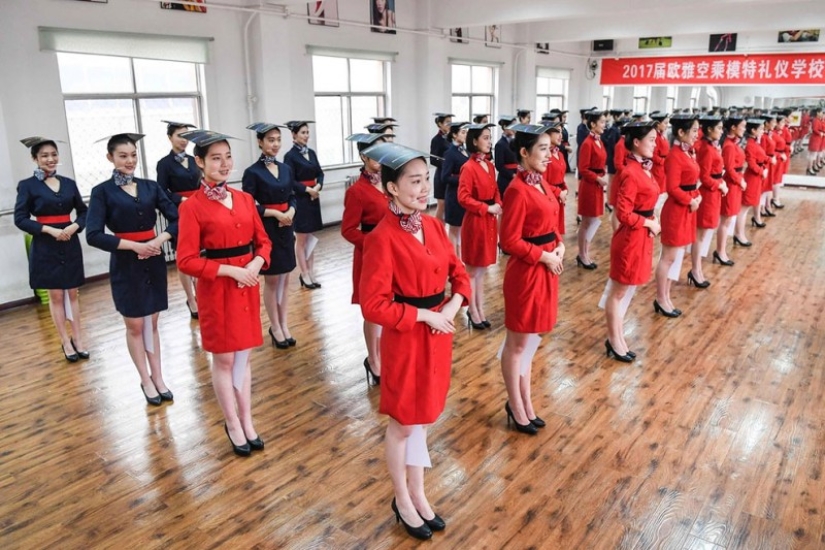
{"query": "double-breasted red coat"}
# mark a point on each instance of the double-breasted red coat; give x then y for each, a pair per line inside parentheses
(477, 190)
(816, 140)
(757, 162)
(782, 154)
(788, 136)
(711, 175)
(733, 159)
(682, 177)
(415, 363)
(619, 162)
(631, 250)
(659, 156)
(230, 317)
(592, 162)
(531, 290)
(364, 206)
(769, 146)
(554, 176)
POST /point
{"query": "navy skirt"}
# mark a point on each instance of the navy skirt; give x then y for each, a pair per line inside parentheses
(282, 258)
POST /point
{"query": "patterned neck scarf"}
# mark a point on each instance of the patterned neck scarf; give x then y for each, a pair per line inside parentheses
(530, 177)
(714, 142)
(554, 150)
(303, 149)
(180, 157)
(121, 179)
(687, 148)
(214, 191)
(462, 148)
(267, 160)
(595, 136)
(647, 164)
(479, 157)
(42, 175)
(373, 177)
(411, 223)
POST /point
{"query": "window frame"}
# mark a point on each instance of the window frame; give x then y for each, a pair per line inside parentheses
(549, 97)
(645, 96)
(492, 96)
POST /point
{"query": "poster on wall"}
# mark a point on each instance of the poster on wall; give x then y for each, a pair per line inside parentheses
(382, 16)
(184, 7)
(809, 35)
(323, 12)
(722, 42)
(651, 42)
(543, 47)
(492, 36)
(459, 35)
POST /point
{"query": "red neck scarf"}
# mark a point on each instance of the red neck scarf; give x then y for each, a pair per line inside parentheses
(214, 191)
(411, 223)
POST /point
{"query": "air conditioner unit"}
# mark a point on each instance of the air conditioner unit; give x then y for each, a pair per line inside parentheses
(602, 47)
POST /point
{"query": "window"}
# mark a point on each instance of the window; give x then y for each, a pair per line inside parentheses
(641, 95)
(607, 98)
(670, 98)
(551, 89)
(105, 95)
(473, 90)
(713, 97)
(348, 93)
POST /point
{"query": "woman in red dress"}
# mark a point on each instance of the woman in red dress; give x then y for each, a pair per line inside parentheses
(556, 169)
(364, 205)
(815, 141)
(478, 195)
(529, 233)
(225, 224)
(733, 159)
(787, 138)
(757, 170)
(679, 211)
(592, 181)
(631, 250)
(662, 150)
(769, 145)
(410, 261)
(712, 188)
(619, 162)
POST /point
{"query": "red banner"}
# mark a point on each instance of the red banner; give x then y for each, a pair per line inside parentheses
(790, 68)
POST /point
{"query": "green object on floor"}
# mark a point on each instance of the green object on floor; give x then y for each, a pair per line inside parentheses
(42, 294)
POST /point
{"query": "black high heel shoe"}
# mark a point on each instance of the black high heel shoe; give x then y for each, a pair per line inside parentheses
(164, 395)
(192, 314)
(745, 244)
(528, 428)
(256, 444)
(310, 286)
(71, 358)
(291, 341)
(376, 378)
(777, 205)
(692, 281)
(626, 358)
(718, 258)
(156, 400)
(280, 344)
(769, 213)
(240, 450)
(422, 532)
(580, 263)
(755, 223)
(435, 524)
(538, 422)
(470, 322)
(486, 323)
(81, 354)
(659, 309)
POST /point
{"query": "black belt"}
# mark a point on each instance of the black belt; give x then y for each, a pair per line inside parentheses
(741, 169)
(541, 239)
(490, 202)
(221, 253)
(423, 302)
(367, 227)
(688, 187)
(596, 171)
(557, 184)
(717, 176)
(644, 213)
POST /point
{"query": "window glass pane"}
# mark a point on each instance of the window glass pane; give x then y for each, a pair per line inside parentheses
(556, 102)
(156, 143)
(329, 114)
(482, 104)
(366, 75)
(542, 105)
(461, 108)
(542, 85)
(89, 120)
(94, 74)
(165, 76)
(461, 79)
(482, 80)
(330, 74)
(556, 86)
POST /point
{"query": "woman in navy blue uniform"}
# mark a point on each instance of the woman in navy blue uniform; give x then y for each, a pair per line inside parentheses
(308, 173)
(56, 259)
(438, 147)
(273, 187)
(179, 176)
(454, 159)
(505, 157)
(128, 207)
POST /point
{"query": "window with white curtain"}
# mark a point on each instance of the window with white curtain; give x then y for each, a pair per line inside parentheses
(474, 90)
(607, 98)
(695, 93)
(670, 98)
(641, 98)
(551, 89)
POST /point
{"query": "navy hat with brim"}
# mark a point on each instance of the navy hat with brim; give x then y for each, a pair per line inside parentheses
(37, 140)
(709, 119)
(683, 117)
(294, 125)
(175, 124)
(264, 127)
(479, 127)
(443, 115)
(755, 122)
(458, 125)
(658, 116)
(365, 138)
(639, 125)
(506, 119)
(534, 129)
(523, 112)
(131, 136)
(393, 155)
(379, 128)
(204, 138)
(383, 119)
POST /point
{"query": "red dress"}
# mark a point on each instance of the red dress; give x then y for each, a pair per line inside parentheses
(415, 363)
(769, 146)
(780, 150)
(554, 176)
(682, 175)
(711, 173)
(364, 206)
(631, 250)
(619, 162)
(477, 190)
(786, 133)
(531, 290)
(659, 156)
(757, 161)
(815, 141)
(733, 158)
(230, 317)
(592, 161)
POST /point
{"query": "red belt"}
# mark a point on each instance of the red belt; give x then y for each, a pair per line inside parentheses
(511, 166)
(186, 194)
(280, 207)
(146, 235)
(308, 183)
(64, 218)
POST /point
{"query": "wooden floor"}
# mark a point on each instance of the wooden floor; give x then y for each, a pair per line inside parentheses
(714, 438)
